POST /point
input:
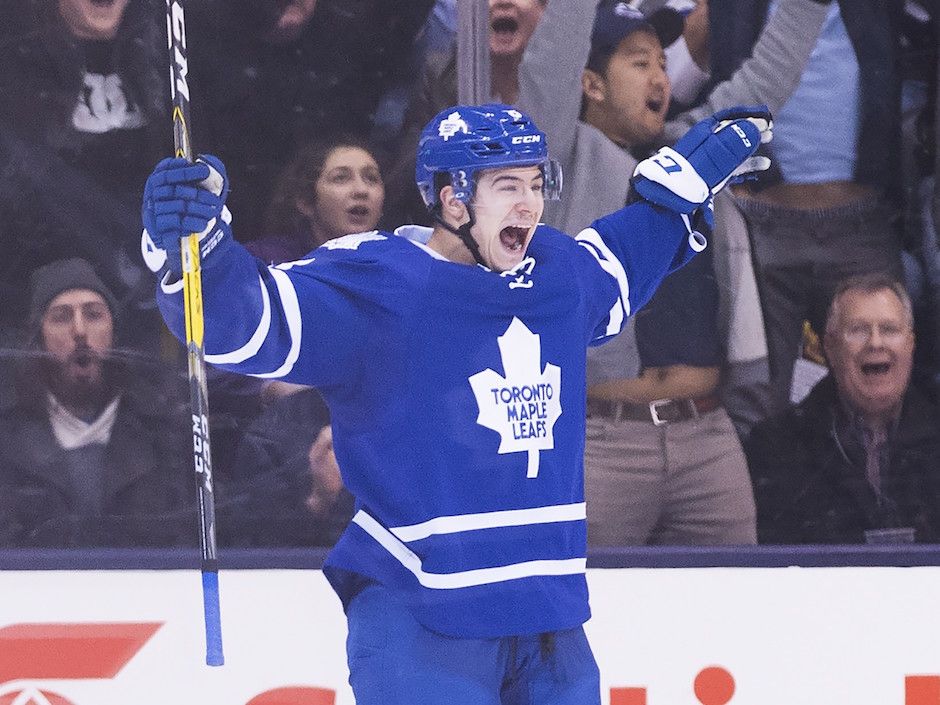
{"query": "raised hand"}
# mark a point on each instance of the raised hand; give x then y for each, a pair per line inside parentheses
(181, 198)
(714, 152)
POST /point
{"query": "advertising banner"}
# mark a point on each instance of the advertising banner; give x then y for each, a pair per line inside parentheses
(684, 636)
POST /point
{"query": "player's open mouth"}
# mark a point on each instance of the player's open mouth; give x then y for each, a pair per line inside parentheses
(655, 104)
(513, 237)
(103, 3)
(358, 211)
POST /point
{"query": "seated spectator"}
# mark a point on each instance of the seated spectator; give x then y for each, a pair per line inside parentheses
(331, 188)
(92, 451)
(862, 452)
(83, 110)
(286, 488)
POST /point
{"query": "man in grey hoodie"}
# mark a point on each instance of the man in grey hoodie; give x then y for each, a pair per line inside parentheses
(662, 463)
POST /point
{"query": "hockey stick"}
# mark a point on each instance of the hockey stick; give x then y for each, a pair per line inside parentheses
(198, 393)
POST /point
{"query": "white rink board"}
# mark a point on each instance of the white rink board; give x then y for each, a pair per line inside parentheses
(788, 636)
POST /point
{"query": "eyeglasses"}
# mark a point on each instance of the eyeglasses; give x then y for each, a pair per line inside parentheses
(862, 333)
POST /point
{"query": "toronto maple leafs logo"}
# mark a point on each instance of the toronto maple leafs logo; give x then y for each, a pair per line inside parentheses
(451, 125)
(524, 405)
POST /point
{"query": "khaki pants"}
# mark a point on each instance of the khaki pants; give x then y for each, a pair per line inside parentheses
(682, 483)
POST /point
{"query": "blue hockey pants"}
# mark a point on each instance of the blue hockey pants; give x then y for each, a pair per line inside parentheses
(394, 660)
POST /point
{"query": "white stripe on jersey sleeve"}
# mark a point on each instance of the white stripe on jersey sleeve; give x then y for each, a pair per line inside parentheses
(490, 520)
(592, 241)
(249, 349)
(466, 578)
(291, 307)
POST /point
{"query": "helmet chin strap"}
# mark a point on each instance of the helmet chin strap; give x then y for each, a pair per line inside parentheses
(463, 232)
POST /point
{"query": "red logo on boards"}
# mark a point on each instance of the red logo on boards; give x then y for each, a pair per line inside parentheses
(715, 686)
(33, 652)
(295, 696)
(922, 690)
(33, 696)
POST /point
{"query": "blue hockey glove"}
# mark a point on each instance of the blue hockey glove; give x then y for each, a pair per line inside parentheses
(181, 198)
(716, 151)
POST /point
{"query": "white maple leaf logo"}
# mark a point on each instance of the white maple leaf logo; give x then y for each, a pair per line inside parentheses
(451, 125)
(524, 405)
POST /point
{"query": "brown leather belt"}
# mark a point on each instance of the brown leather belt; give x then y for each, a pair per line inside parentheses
(658, 412)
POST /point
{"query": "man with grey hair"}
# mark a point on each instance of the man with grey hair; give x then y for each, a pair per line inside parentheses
(859, 459)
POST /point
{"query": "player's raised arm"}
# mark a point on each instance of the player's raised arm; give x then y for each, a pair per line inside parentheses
(681, 182)
(256, 317)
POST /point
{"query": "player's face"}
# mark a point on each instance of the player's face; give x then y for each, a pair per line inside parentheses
(78, 331)
(870, 347)
(348, 197)
(507, 205)
(93, 19)
(511, 25)
(291, 20)
(637, 90)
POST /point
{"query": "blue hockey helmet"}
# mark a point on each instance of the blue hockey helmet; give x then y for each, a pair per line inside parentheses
(464, 139)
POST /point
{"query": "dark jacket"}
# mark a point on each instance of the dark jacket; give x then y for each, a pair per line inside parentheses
(147, 487)
(810, 484)
(874, 27)
(65, 192)
(263, 501)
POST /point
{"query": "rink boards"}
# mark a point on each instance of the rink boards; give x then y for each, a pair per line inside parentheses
(860, 635)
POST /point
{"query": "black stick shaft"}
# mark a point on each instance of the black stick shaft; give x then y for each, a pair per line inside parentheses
(192, 294)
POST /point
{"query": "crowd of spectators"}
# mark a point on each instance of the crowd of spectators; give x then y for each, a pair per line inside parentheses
(782, 388)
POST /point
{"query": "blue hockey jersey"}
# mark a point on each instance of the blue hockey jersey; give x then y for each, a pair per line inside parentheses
(457, 397)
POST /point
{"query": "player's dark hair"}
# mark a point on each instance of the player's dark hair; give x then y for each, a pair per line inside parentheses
(441, 179)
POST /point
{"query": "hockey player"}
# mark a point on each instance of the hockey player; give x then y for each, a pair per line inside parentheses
(457, 392)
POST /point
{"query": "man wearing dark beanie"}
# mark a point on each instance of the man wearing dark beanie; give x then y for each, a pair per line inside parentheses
(50, 280)
(71, 383)
(90, 454)
(71, 319)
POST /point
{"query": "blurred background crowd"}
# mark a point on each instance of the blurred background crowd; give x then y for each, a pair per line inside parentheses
(780, 389)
